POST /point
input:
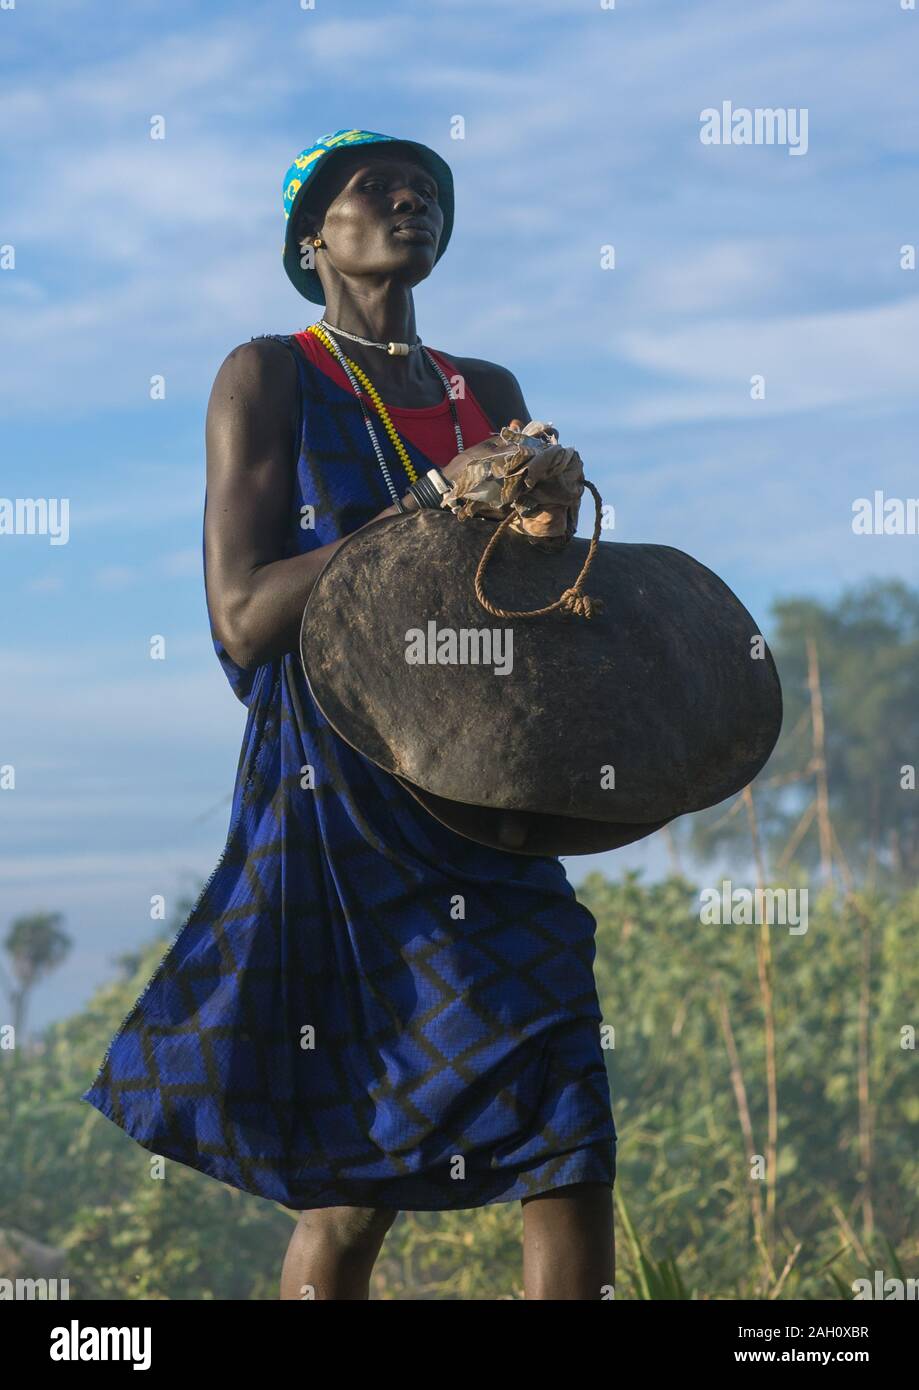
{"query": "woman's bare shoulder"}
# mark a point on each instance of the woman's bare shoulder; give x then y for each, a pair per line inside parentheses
(257, 379)
(252, 413)
(259, 365)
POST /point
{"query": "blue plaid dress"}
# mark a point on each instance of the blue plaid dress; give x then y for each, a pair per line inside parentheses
(326, 1029)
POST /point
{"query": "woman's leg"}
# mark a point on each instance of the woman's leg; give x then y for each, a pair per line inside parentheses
(569, 1248)
(332, 1252)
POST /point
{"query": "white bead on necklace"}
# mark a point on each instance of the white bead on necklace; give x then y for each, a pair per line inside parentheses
(394, 349)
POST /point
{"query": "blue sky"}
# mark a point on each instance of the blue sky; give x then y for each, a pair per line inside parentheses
(136, 257)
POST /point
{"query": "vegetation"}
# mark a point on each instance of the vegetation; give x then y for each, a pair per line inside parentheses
(764, 1081)
(850, 677)
(35, 946)
(70, 1178)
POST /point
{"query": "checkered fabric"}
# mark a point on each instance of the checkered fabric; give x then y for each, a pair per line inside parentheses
(327, 1028)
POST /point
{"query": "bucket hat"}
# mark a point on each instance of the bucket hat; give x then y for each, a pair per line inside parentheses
(302, 175)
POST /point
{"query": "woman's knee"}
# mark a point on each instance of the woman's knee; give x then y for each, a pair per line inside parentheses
(353, 1231)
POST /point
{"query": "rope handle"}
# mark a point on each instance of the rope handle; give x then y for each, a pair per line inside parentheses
(573, 600)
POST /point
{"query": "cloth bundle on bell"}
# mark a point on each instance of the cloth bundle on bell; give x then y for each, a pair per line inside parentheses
(535, 691)
(534, 482)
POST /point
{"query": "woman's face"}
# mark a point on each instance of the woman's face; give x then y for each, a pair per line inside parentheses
(381, 218)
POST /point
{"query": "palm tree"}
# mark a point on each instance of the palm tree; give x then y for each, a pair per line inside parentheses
(35, 945)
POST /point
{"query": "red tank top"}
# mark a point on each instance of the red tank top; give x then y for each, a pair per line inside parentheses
(429, 428)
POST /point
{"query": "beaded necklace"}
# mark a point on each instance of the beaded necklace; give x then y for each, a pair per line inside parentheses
(358, 379)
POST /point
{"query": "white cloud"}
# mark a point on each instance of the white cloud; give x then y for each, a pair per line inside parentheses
(45, 584)
(815, 360)
(116, 698)
(115, 577)
(344, 45)
(174, 245)
(181, 564)
(111, 869)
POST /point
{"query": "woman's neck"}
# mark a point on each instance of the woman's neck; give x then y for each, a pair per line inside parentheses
(384, 314)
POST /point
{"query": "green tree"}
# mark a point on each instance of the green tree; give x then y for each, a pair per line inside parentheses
(867, 648)
(35, 945)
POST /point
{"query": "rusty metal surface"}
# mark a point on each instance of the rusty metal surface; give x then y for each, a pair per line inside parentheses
(660, 686)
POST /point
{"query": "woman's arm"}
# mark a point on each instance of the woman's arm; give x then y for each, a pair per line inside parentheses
(256, 592)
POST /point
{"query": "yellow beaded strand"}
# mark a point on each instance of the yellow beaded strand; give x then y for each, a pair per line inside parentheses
(375, 398)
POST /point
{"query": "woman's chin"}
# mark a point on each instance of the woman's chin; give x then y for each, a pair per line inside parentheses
(419, 255)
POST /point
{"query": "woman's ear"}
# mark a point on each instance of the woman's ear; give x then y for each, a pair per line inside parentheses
(304, 230)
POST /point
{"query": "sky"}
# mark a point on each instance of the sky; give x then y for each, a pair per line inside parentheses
(580, 124)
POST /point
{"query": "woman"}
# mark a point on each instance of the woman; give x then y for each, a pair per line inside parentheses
(328, 1029)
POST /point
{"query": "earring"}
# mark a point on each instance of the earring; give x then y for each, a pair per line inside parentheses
(317, 241)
